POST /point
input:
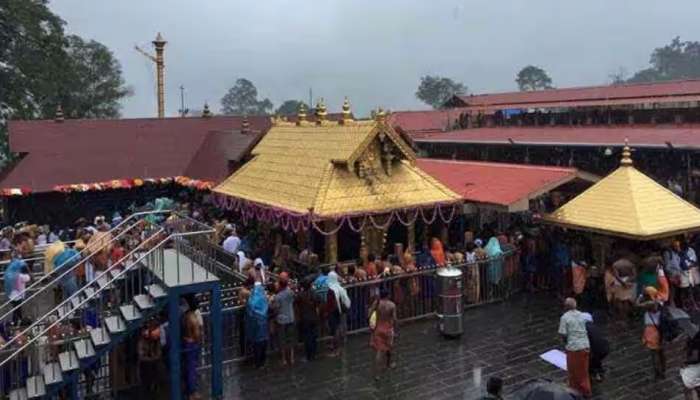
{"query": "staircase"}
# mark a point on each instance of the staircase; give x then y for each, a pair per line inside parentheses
(106, 310)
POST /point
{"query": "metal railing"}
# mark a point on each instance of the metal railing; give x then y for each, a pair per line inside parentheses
(486, 281)
(123, 280)
(60, 273)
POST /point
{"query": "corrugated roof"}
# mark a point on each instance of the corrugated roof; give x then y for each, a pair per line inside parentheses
(506, 185)
(299, 168)
(89, 151)
(658, 90)
(629, 204)
(653, 136)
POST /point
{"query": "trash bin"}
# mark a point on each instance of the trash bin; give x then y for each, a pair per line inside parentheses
(449, 285)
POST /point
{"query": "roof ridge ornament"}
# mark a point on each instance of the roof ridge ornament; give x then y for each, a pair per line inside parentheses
(380, 115)
(245, 125)
(626, 155)
(301, 115)
(347, 114)
(59, 114)
(320, 112)
(206, 113)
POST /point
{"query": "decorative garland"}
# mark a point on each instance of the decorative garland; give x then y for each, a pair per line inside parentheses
(295, 222)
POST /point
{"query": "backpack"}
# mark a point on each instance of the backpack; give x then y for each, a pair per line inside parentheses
(668, 327)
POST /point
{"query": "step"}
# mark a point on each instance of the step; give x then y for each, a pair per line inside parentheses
(130, 313)
(89, 292)
(75, 301)
(84, 349)
(144, 302)
(115, 325)
(36, 387)
(114, 273)
(100, 337)
(156, 291)
(103, 280)
(52, 374)
(68, 361)
(19, 394)
(64, 310)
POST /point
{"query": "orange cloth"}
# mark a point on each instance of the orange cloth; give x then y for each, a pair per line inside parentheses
(577, 368)
(651, 338)
(664, 289)
(437, 252)
(579, 278)
(382, 338)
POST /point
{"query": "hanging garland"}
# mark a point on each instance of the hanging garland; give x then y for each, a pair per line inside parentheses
(295, 222)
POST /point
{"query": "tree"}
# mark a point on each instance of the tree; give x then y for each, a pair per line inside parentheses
(436, 90)
(290, 107)
(41, 68)
(618, 77)
(677, 60)
(533, 78)
(94, 83)
(242, 99)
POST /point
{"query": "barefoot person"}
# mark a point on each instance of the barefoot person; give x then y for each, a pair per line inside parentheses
(382, 339)
(572, 328)
(191, 340)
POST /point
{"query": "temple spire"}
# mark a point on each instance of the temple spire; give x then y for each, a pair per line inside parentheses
(301, 116)
(320, 112)
(379, 115)
(347, 114)
(206, 113)
(59, 114)
(626, 155)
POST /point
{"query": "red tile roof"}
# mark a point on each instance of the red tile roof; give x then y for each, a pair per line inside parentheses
(428, 120)
(679, 136)
(507, 185)
(87, 151)
(659, 91)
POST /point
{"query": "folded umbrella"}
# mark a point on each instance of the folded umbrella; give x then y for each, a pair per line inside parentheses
(544, 389)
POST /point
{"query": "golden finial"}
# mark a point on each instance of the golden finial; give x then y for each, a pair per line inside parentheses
(379, 115)
(206, 113)
(301, 116)
(626, 155)
(59, 114)
(320, 112)
(347, 114)
(245, 125)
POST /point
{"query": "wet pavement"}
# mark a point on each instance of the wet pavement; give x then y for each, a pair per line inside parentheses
(502, 340)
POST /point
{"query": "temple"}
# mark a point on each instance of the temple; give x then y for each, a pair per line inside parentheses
(326, 173)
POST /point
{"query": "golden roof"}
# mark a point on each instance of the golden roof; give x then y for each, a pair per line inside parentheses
(629, 204)
(334, 169)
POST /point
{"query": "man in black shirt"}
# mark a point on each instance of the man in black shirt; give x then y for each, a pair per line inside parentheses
(600, 347)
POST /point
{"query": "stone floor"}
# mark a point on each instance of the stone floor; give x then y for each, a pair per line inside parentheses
(502, 340)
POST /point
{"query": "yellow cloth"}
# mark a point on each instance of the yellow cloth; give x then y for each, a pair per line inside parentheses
(50, 253)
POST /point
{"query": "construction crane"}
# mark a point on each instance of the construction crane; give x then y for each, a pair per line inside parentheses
(159, 44)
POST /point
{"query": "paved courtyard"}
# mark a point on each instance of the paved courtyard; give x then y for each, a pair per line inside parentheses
(502, 339)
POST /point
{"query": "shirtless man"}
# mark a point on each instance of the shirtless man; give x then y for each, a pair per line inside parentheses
(382, 339)
(192, 329)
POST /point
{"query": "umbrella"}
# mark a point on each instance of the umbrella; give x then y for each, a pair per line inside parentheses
(544, 389)
(684, 321)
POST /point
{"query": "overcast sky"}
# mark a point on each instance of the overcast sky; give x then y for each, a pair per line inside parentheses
(373, 51)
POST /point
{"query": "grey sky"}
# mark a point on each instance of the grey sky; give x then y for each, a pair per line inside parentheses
(372, 51)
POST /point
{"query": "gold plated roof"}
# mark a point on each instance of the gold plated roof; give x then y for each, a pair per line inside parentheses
(334, 169)
(629, 204)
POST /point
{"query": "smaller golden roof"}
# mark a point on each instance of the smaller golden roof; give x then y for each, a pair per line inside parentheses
(628, 204)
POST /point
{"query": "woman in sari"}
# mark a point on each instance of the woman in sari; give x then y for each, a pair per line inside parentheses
(437, 252)
(257, 323)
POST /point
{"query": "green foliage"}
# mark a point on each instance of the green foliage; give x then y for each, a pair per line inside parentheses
(677, 60)
(242, 99)
(290, 107)
(41, 67)
(533, 78)
(436, 90)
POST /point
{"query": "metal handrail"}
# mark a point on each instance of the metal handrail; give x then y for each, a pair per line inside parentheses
(96, 292)
(34, 285)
